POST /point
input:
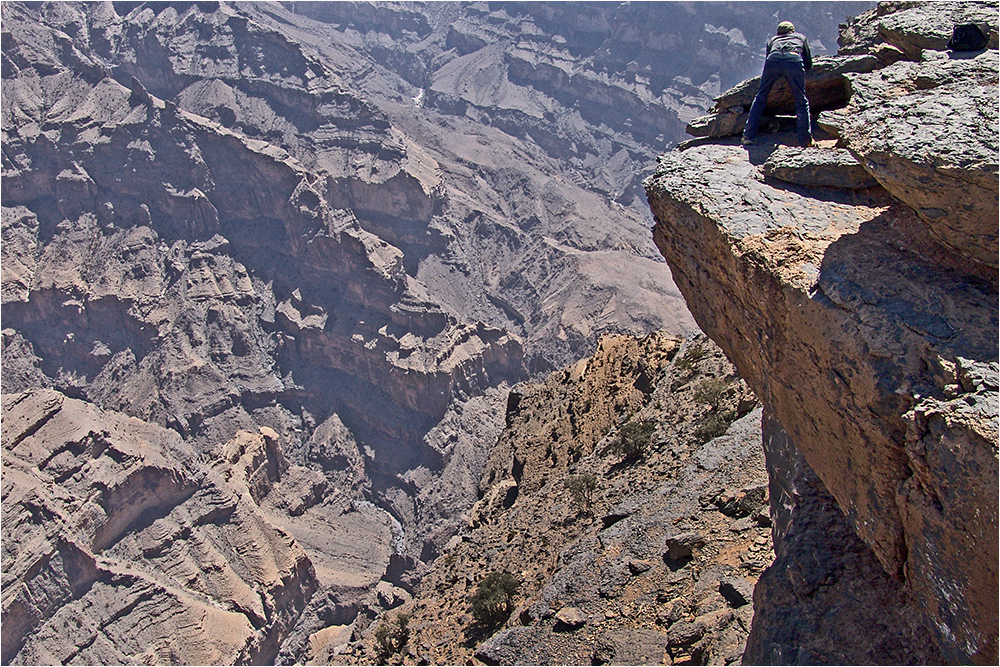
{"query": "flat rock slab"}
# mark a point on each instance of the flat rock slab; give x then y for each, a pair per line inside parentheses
(725, 123)
(818, 167)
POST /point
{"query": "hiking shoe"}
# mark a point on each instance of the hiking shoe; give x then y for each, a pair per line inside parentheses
(809, 144)
(747, 142)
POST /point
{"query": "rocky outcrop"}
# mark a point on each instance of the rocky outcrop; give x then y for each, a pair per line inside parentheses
(121, 545)
(927, 132)
(866, 321)
(834, 168)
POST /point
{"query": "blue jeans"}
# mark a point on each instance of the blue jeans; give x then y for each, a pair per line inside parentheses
(794, 73)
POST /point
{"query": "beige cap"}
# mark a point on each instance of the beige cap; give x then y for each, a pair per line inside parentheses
(785, 27)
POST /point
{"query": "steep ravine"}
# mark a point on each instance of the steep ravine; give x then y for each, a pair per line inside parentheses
(863, 313)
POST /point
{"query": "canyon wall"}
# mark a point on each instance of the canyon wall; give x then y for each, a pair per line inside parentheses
(863, 313)
(307, 248)
(121, 545)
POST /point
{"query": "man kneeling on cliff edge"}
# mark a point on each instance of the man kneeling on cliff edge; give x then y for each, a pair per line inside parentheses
(788, 57)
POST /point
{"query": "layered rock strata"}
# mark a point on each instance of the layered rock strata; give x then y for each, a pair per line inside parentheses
(866, 320)
(122, 546)
(195, 252)
(582, 97)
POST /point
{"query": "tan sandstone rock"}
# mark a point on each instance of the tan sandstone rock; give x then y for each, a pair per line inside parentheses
(119, 546)
(834, 304)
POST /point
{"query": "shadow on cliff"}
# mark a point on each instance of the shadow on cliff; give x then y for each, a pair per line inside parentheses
(913, 283)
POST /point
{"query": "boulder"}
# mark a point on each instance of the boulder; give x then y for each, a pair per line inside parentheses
(826, 86)
(571, 618)
(926, 27)
(812, 167)
(629, 646)
(911, 28)
(507, 646)
(638, 567)
(737, 591)
(682, 545)
(832, 121)
(725, 123)
(928, 135)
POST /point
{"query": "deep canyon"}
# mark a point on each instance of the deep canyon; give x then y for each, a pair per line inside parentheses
(316, 314)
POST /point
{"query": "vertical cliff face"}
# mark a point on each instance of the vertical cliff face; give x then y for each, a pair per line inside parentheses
(864, 315)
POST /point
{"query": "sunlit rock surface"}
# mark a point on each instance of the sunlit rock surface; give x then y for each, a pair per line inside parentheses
(866, 320)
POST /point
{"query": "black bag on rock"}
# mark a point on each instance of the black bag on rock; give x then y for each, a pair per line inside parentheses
(969, 37)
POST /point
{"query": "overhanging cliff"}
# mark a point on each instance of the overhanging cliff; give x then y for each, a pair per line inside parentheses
(865, 318)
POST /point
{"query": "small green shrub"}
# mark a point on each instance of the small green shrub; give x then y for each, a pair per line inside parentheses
(710, 391)
(390, 638)
(494, 598)
(582, 488)
(633, 442)
(690, 358)
(716, 424)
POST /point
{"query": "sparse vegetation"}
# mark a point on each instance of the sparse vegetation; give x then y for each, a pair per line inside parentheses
(634, 440)
(391, 637)
(690, 358)
(582, 488)
(715, 425)
(710, 391)
(494, 598)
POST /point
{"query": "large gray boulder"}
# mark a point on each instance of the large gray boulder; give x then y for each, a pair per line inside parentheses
(929, 28)
(928, 133)
(913, 27)
(814, 167)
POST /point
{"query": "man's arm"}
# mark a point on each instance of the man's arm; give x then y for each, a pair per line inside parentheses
(807, 58)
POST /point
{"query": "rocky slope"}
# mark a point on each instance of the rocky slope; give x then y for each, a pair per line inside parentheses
(863, 312)
(654, 563)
